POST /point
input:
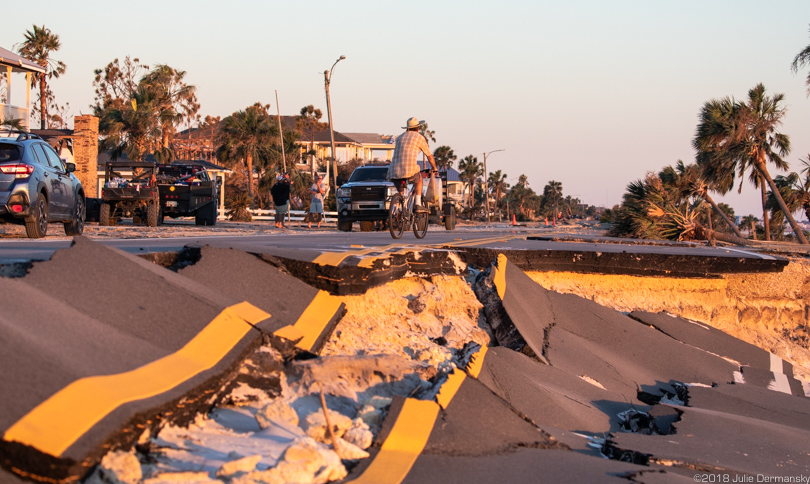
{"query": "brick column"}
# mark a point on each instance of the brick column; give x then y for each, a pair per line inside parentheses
(85, 153)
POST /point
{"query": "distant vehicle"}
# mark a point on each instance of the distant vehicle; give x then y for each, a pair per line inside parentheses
(37, 187)
(130, 190)
(364, 198)
(187, 190)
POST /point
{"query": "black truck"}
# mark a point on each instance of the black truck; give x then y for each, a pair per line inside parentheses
(186, 189)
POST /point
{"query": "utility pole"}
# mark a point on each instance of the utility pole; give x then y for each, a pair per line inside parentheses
(486, 184)
(280, 134)
(327, 79)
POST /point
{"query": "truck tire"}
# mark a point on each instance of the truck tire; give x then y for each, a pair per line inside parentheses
(450, 219)
(36, 225)
(104, 214)
(152, 214)
(366, 226)
(344, 226)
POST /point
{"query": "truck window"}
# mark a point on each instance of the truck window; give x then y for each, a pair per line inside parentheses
(369, 174)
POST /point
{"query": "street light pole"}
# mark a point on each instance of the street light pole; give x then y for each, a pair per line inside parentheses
(486, 183)
(327, 78)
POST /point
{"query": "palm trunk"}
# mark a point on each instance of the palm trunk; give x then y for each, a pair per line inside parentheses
(43, 102)
(249, 165)
(795, 226)
(766, 221)
(703, 233)
(722, 215)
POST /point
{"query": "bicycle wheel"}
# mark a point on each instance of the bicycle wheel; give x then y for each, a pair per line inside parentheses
(396, 216)
(420, 224)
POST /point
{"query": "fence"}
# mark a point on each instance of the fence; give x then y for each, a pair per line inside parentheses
(298, 215)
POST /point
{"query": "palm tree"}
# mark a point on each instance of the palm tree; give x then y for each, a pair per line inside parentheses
(497, 183)
(795, 191)
(37, 47)
(429, 135)
(750, 221)
(174, 101)
(130, 128)
(802, 59)
(691, 181)
(734, 136)
(246, 136)
(444, 157)
(308, 123)
(552, 194)
(470, 169)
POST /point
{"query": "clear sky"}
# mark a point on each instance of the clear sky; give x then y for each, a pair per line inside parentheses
(590, 93)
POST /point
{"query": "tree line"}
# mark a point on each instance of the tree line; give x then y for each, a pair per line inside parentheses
(734, 140)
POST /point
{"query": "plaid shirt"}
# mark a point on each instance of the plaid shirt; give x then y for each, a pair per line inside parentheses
(403, 164)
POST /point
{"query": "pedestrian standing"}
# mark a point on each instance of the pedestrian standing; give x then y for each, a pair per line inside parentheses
(281, 198)
(316, 207)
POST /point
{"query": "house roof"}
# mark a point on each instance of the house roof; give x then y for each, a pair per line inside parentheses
(371, 138)
(18, 63)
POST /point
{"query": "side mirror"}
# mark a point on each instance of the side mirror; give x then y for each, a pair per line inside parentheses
(70, 167)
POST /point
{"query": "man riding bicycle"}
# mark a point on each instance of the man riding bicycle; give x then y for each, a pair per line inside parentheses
(403, 164)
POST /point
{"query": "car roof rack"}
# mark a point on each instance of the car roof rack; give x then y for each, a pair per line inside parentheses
(21, 135)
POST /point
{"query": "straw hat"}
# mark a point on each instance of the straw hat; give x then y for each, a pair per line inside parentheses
(413, 123)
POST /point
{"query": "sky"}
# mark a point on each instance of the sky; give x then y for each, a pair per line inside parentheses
(592, 94)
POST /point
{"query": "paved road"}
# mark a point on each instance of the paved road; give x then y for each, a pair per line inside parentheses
(492, 237)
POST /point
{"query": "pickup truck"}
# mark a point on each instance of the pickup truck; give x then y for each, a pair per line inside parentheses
(186, 190)
(364, 199)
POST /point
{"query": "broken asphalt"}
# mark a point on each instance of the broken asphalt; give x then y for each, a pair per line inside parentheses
(118, 345)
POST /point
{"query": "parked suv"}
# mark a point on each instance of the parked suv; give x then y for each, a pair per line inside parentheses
(364, 198)
(37, 187)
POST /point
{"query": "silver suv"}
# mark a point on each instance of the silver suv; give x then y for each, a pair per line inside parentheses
(37, 187)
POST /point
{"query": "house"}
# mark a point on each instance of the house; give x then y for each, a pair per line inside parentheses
(14, 63)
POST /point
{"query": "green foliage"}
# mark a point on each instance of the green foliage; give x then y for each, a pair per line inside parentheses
(444, 157)
(238, 207)
(37, 47)
(139, 109)
(247, 137)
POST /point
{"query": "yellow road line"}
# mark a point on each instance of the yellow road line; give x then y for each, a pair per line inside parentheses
(500, 276)
(477, 362)
(313, 320)
(55, 424)
(450, 387)
(403, 445)
(335, 258)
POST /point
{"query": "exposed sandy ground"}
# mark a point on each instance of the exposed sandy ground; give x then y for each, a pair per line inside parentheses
(767, 310)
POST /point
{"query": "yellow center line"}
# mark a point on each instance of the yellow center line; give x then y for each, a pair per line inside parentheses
(477, 362)
(403, 445)
(58, 422)
(500, 276)
(313, 320)
(335, 258)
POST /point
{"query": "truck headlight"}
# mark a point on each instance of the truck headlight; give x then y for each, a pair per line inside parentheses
(344, 192)
(390, 191)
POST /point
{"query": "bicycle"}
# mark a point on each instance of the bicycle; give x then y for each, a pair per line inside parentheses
(401, 214)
